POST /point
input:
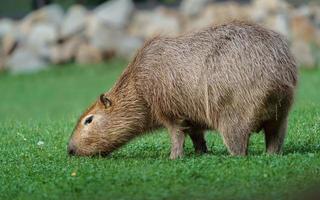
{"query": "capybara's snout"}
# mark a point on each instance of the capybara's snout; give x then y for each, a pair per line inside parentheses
(71, 149)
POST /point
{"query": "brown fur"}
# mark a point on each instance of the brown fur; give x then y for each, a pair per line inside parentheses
(236, 78)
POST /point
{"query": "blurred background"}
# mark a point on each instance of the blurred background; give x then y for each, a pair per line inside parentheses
(37, 34)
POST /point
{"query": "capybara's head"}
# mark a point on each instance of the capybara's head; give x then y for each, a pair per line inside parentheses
(101, 129)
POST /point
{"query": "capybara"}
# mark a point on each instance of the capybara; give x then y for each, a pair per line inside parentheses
(236, 78)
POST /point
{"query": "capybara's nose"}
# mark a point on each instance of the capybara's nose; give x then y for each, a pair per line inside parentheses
(71, 149)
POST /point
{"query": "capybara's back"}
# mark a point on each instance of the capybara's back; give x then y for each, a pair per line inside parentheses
(235, 78)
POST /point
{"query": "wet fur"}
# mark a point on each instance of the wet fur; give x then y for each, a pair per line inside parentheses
(236, 78)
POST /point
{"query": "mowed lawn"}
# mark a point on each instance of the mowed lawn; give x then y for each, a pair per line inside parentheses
(39, 111)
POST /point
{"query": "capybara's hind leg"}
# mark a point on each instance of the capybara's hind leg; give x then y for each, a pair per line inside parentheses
(198, 140)
(177, 141)
(275, 132)
(236, 139)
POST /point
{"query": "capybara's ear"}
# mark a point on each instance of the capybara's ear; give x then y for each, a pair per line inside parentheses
(105, 101)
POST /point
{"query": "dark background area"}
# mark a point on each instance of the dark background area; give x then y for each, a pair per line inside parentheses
(19, 8)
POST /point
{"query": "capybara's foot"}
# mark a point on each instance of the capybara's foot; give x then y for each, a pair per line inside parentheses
(201, 149)
(200, 146)
(237, 148)
(236, 141)
(274, 135)
(177, 141)
(175, 154)
(238, 153)
(198, 140)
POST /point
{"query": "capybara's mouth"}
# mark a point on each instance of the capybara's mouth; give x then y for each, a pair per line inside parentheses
(73, 150)
(99, 154)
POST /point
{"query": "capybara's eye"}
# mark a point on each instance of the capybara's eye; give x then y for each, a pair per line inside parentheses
(88, 120)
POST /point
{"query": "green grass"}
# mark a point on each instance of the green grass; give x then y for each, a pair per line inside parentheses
(45, 106)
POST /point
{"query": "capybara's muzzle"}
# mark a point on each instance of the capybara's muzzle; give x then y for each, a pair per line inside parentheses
(71, 149)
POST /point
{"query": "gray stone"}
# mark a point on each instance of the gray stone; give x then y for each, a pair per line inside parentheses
(128, 46)
(74, 21)
(103, 36)
(51, 14)
(112, 40)
(115, 12)
(159, 21)
(2, 63)
(9, 43)
(87, 54)
(193, 7)
(302, 29)
(303, 10)
(282, 24)
(315, 13)
(6, 27)
(41, 36)
(261, 9)
(278, 23)
(25, 61)
(65, 52)
(216, 14)
(303, 54)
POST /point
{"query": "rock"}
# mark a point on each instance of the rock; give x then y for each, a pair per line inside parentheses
(23, 60)
(52, 14)
(9, 43)
(160, 21)
(128, 47)
(87, 54)
(261, 9)
(70, 47)
(139, 23)
(115, 12)
(54, 54)
(112, 40)
(234, 11)
(318, 38)
(303, 10)
(102, 36)
(271, 6)
(303, 54)
(315, 14)
(74, 21)
(65, 52)
(216, 14)
(258, 14)
(6, 27)
(2, 63)
(206, 18)
(302, 29)
(278, 23)
(92, 24)
(281, 24)
(192, 7)
(41, 36)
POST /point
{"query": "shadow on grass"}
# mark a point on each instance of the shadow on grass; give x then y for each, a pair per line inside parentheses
(221, 152)
(301, 149)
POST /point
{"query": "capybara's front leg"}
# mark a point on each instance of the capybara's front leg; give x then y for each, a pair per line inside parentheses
(198, 140)
(275, 132)
(177, 141)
